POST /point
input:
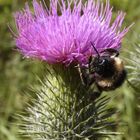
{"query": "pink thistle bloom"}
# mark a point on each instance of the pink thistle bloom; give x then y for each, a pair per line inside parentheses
(66, 37)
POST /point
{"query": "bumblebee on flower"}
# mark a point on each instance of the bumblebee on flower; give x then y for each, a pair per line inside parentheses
(68, 37)
(81, 36)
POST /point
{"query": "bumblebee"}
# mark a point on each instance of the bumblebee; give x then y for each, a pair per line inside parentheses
(106, 70)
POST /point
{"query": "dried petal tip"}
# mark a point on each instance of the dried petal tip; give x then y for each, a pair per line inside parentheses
(66, 37)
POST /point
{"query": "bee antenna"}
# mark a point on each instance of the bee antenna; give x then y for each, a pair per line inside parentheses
(95, 50)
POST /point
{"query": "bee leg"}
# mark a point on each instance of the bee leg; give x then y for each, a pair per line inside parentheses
(86, 78)
(95, 95)
(82, 76)
(89, 64)
(94, 92)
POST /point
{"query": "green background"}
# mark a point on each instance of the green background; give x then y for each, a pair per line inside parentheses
(17, 73)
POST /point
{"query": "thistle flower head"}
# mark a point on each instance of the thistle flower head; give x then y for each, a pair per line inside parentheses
(61, 34)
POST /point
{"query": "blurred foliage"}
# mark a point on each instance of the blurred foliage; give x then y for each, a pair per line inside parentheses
(16, 73)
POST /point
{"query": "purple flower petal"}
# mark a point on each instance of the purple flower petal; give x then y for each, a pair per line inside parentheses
(66, 37)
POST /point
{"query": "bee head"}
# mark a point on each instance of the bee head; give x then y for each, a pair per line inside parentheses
(103, 65)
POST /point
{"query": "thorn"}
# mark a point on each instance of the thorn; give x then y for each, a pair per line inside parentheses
(12, 32)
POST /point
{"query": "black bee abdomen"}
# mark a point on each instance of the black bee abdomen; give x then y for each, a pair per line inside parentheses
(120, 79)
(107, 84)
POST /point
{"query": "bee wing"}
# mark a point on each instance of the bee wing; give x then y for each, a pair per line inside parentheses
(110, 52)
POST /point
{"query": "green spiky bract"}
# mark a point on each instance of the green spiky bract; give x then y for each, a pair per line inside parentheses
(133, 66)
(133, 107)
(63, 109)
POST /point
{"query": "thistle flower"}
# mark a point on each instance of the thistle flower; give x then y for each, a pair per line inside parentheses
(66, 36)
(63, 33)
